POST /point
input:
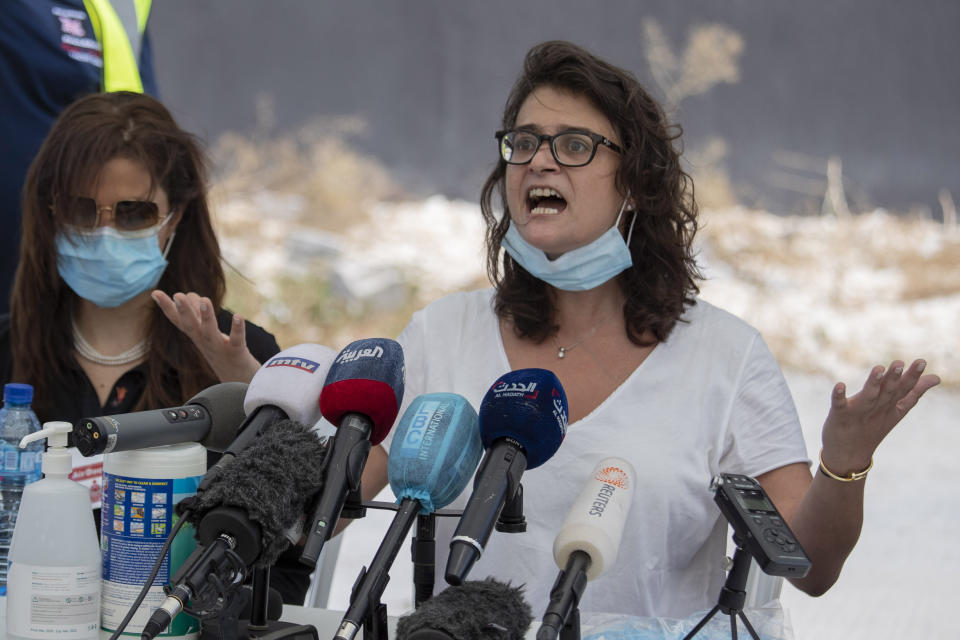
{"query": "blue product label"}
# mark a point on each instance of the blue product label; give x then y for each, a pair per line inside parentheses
(136, 518)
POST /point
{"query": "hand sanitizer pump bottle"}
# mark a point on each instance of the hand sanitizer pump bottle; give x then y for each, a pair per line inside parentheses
(54, 576)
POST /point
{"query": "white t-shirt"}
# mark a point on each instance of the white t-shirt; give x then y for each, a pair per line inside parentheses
(710, 399)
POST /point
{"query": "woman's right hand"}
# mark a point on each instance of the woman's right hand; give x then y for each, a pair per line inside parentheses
(193, 314)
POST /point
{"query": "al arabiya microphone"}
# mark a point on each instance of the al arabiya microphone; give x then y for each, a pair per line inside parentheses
(241, 519)
(211, 418)
(589, 539)
(474, 610)
(435, 451)
(523, 419)
(286, 386)
(361, 397)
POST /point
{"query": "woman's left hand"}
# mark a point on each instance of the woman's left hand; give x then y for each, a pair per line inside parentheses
(228, 356)
(856, 425)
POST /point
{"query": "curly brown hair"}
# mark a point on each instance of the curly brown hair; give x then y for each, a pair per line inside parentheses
(92, 131)
(663, 279)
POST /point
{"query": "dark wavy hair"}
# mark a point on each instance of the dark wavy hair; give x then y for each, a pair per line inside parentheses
(92, 131)
(663, 279)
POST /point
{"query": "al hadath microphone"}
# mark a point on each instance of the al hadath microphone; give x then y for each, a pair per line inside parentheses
(523, 419)
(589, 538)
(435, 451)
(211, 417)
(361, 397)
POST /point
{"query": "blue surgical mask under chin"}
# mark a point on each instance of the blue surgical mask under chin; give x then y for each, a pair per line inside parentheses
(109, 268)
(581, 269)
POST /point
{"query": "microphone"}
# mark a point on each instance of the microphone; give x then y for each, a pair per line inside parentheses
(211, 418)
(589, 538)
(361, 397)
(523, 419)
(285, 386)
(435, 451)
(474, 610)
(241, 519)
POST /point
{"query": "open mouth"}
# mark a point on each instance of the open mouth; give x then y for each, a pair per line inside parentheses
(544, 200)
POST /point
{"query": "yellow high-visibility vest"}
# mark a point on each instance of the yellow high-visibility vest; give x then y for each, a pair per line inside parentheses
(119, 42)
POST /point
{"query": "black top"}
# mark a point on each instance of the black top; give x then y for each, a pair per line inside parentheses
(75, 398)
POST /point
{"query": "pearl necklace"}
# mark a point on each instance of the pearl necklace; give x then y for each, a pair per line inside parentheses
(87, 352)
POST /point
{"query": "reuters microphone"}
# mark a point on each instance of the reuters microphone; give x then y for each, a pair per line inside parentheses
(361, 397)
(434, 453)
(523, 420)
(589, 538)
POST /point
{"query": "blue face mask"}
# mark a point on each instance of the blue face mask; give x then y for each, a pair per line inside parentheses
(581, 269)
(109, 268)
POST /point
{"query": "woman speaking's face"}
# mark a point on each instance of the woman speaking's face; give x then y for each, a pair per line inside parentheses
(557, 208)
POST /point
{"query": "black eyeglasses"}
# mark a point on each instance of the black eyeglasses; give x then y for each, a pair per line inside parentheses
(128, 215)
(569, 148)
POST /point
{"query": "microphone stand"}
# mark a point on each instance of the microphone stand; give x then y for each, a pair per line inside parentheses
(732, 595)
(423, 553)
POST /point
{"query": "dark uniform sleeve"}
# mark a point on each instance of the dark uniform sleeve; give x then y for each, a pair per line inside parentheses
(6, 351)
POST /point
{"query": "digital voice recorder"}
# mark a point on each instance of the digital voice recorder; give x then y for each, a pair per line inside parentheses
(759, 526)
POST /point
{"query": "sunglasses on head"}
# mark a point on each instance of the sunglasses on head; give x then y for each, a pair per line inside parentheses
(126, 215)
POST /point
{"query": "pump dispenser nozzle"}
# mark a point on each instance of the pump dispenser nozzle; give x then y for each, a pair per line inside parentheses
(57, 461)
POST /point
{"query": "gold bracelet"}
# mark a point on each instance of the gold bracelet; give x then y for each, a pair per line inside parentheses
(851, 477)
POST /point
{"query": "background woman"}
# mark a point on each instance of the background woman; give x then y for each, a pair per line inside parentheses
(115, 205)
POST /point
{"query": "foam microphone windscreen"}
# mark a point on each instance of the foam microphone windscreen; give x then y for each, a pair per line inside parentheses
(224, 403)
(529, 406)
(292, 381)
(475, 610)
(271, 481)
(436, 448)
(596, 519)
(367, 378)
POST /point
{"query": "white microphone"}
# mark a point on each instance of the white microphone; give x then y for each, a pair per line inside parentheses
(292, 381)
(589, 539)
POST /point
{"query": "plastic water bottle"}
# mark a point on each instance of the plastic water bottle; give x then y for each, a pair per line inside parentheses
(17, 467)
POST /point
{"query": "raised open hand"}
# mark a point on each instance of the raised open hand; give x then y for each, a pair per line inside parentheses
(857, 424)
(228, 356)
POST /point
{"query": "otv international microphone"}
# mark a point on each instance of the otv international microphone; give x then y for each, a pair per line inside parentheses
(361, 397)
(241, 519)
(211, 418)
(434, 453)
(523, 419)
(589, 539)
(286, 386)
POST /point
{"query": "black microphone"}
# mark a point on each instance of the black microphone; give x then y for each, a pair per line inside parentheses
(241, 519)
(523, 419)
(361, 397)
(211, 418)
(474, 610)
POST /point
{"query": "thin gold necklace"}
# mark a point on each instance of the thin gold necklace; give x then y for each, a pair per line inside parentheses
(562, 351)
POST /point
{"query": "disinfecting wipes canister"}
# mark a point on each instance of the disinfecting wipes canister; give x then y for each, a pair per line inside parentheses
(140, 490)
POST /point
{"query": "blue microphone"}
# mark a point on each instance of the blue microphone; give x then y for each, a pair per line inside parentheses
(523, 419)
(433, 456)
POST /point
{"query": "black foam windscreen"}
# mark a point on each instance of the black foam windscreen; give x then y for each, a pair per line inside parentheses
(224, 403)
(475, 610)
(271, 482)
